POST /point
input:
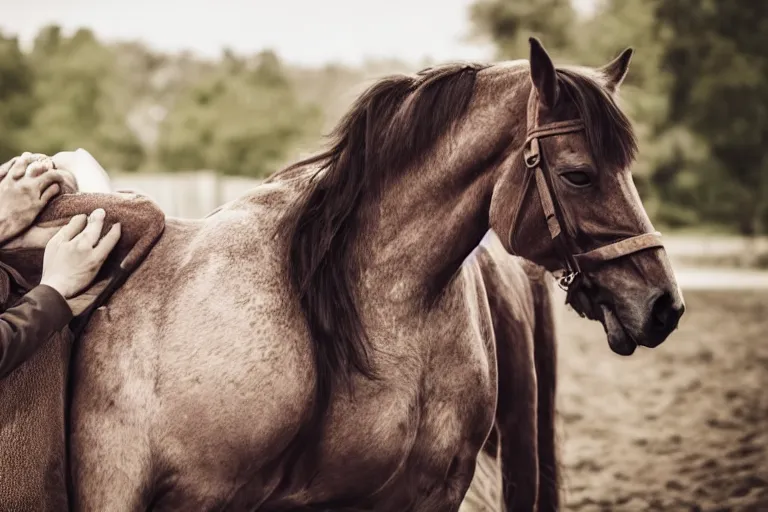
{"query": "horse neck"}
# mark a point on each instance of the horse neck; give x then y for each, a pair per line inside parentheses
(427, 220)
(422, 227)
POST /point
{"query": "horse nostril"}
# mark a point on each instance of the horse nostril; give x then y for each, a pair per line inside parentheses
(666, 314)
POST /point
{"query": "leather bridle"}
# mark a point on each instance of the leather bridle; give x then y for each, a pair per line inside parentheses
(575, 263)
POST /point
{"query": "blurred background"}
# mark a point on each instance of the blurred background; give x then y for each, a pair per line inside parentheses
(194, 102)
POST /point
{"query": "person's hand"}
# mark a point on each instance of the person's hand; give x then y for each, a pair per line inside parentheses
(27, 183)
(75, 254)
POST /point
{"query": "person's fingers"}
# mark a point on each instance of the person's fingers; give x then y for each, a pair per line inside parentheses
(19, 167)
(35, 169)
(90, 235)
(47, 179)
(38, 167)
(107, 243)
(50, 193)
(7, 167)
(72, 229)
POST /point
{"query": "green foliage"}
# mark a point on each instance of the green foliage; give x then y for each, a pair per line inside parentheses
(75, 103)
(242, 119)
(510, 23)
(16, 98)
(138, 109)
(716, 52)
(697, 92)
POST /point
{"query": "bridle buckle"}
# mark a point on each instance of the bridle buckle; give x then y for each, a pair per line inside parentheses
(565, 281)
(532, 161)
(532, 154)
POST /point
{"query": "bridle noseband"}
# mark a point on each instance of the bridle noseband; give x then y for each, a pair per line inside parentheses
(575, 263)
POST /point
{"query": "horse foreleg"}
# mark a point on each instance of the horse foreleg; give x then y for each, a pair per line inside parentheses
(545, 356)
(109, 463)
(110, 453)
(516, 440)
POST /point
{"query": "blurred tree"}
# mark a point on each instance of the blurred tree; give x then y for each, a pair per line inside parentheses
(242, 119)
(716, 52)
(509, 24)
(75, 89)
(147, 84)
(16, 97)
(668, 169)
(594, 41)
(670, 156)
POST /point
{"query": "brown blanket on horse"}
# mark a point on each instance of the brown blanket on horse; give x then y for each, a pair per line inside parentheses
(33, 398)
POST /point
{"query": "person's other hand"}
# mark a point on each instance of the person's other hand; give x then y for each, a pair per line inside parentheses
(27, 183)
(75, 254)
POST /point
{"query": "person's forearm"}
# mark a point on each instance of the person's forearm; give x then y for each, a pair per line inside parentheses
(26, 326)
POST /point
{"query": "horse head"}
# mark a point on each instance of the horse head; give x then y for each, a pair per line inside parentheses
(572, 207)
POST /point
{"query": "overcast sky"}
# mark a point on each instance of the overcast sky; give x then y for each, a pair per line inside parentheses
(310, 32)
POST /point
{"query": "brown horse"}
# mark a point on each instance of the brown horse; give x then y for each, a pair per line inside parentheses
(321, 342)
(518, 468)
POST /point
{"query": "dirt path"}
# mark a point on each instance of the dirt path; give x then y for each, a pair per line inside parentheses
(681, 427)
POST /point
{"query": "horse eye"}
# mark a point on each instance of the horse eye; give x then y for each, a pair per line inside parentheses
(577, 178)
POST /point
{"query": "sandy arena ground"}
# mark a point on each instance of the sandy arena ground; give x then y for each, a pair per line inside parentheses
(683, 427)
(680, 427)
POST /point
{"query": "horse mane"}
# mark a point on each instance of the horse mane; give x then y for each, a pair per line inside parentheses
(391, 125)
(608, 130)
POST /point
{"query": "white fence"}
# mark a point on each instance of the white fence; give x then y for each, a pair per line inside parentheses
(186, 194)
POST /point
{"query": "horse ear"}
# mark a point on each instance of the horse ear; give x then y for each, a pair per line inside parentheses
(543, 73)
(616, 70)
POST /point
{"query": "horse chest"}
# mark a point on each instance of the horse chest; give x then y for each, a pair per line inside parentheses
(452, 414)
(415, 434)
(459, 396)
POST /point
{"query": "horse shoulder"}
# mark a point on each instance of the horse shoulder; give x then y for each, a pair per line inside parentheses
(461, 382)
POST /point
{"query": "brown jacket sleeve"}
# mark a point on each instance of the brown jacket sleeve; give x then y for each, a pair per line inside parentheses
(27, 325)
